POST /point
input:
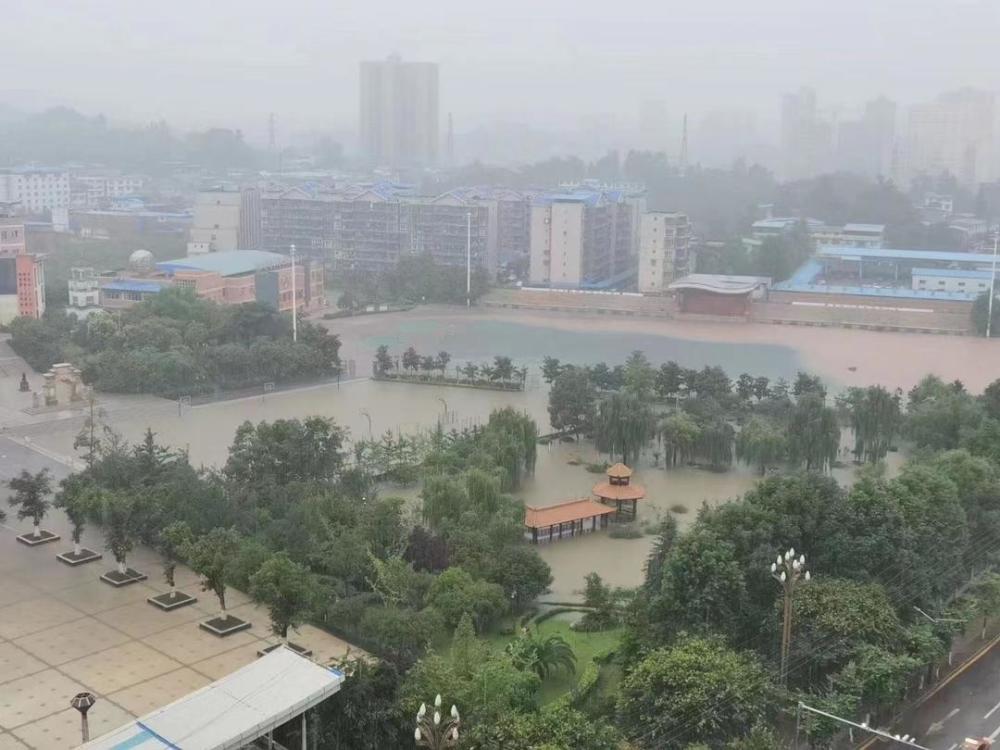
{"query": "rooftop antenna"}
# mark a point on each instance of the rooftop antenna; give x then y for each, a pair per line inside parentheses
(683, 160)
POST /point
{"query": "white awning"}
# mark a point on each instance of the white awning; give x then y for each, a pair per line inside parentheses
(232, 711)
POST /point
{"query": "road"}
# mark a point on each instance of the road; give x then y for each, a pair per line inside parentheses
(968, 706)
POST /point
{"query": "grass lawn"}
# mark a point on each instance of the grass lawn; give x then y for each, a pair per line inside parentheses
(584, 645)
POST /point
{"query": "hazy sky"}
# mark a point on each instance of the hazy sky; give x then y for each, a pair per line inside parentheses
(223, 62)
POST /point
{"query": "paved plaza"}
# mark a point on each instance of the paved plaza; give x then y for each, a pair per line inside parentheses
(63, 631)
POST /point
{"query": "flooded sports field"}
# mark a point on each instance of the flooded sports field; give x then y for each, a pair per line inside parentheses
(365, 406)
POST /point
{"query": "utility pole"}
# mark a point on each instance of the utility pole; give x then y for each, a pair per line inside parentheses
(788, 571)
(295, 306)
(905, 739)
(993, 278)
(468, 258)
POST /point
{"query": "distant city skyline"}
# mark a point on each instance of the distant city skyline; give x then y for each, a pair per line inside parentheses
(231, 63)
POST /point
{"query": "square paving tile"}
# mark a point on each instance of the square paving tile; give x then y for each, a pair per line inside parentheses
(140, 619)
(50, 575)
(219, 666)
(188, 643)
(37, 695)
(16, 663)
(147, 696)
(61, 731)
(119, 667)
(95, 596)
(13, 591)
(10, 742)
(72, 640)
(326, 648)
(33, 615)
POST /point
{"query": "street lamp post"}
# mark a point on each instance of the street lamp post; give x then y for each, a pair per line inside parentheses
(295, 306)
(433, 734)
(993, 278)
(468, 259)
(83, 702)
(788, 570)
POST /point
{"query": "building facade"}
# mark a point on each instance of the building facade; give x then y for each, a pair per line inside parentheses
(216, 225)
(226, 277)
(583, 239)
(97, 190)
(36, 189)
(84, 289)
(370, 227)
(953, 134)
(664, 247)
(399, 112)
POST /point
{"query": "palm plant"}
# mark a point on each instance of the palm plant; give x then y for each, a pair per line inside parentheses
(488, 373)
(542, 655)
(470, 370)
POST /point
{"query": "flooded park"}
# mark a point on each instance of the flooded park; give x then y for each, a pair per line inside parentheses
(366, 407)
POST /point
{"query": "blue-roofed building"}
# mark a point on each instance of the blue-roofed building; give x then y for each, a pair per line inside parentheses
(893, 272)
(228, 278)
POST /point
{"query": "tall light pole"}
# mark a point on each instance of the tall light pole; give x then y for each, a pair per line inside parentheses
(993, 278)
(431, 733)
(788, 570)
(295, 305)
(468, 258)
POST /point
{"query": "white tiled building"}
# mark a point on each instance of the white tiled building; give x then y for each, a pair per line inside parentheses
(664, 242)
(35, 188)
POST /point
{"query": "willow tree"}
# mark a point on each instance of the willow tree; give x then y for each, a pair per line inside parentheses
(715, 443)
(761, 444)
(875, 418)
(813, 434)
(624, 425)
(679, 435)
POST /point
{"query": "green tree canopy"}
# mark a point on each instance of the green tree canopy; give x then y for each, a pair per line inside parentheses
(696, 691)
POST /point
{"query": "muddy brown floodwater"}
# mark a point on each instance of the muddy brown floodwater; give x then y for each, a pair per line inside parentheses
(842, 357)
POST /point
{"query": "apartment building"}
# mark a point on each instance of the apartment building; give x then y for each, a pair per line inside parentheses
(664, 248)
(22, 274)
(369, 227)
(955, 134)
(84, 289)
(399, 112)
(584, 239)
(36, 189)
(98, 189)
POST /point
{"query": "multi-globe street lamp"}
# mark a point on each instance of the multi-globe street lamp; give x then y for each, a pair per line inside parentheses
(789, 571)
(431, 732)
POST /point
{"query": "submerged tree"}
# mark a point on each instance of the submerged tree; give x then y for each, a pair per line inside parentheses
(760, 444)
(571, 401)
(624, 425)
(875, 418)
(813, 434)
(679, 435)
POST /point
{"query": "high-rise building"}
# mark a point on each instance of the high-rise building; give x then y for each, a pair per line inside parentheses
(664, 244)
(583, 238)
(806, 137)
(399, 112)
(952, 134)
(867, 145)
